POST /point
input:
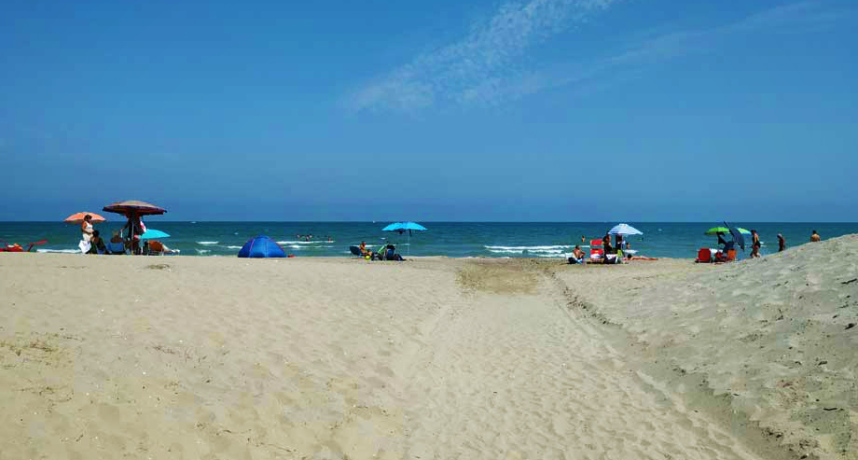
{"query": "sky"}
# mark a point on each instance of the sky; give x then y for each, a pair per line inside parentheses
(531, 110)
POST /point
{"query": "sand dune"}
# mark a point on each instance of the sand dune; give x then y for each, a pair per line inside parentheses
(216, 358)
(774, 336)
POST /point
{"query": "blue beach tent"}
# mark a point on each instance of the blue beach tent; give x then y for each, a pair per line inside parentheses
(261, 246)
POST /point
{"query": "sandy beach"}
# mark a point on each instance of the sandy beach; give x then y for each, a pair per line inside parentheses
(107, 357)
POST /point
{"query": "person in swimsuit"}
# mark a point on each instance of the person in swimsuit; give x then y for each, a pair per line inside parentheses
(96, 244)
(606, 244)
(756, 245)
(815, 238)
(87, 228)
(364, 251)
(781, 243)
(577, 256)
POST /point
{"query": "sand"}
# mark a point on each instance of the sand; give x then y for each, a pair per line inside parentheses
(221, 358)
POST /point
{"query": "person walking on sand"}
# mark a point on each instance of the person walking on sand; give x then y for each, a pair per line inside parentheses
(781, 243)
(755, 246)
(87, 228)
(815, 238)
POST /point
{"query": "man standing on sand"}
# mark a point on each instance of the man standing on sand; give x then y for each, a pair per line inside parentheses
(815, 238)
(781, 243)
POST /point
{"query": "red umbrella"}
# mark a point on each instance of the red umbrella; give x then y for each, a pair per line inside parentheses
(78, 218)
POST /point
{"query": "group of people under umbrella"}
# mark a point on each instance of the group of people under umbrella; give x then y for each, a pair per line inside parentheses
(134, 237)
(605, 251)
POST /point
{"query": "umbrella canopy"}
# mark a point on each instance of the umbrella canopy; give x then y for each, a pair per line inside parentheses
(78, 218)
(716, 230)
(625, 230)
(152, 234)
(737, 236)
(140, 208)
(403, 226)
(261, 246)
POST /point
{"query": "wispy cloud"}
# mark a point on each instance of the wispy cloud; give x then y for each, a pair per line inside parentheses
(645, 52)
(484, 68)
(477, 67)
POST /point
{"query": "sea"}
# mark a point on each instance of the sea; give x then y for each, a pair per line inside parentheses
(450, 239)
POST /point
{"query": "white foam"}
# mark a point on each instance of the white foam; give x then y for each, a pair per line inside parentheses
(305, 242)
(233, 247)
(527, 248)
(59, 251)
(207, 243)
(540, 251)
(203, 251)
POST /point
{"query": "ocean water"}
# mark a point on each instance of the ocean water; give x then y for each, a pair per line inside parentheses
(452, 239)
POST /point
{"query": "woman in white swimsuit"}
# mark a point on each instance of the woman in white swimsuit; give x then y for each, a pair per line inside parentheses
(86, 228)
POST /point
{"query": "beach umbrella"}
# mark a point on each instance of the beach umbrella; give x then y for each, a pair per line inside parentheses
(77, 218)
(716, 230)
(402, 227)
(133, 209)
(152, 234)
(140, 208)
(625, 230)
(737, 235)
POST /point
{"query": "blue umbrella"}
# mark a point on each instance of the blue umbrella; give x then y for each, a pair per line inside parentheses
(737, 235)
(152, 234)
(402, 227)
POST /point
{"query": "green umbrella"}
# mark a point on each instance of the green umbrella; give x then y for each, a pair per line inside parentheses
(716, 230)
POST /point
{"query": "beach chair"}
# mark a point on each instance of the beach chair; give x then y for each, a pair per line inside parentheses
(391, 254)
(704, 255)
(157, 248)
(597, 253)
(116, 248)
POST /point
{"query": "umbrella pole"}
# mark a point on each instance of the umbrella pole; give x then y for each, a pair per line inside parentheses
(131, 234)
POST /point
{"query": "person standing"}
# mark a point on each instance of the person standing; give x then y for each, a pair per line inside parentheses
(756, 245)
(606, 244)
(815, 238)
(86, 228)
(781, 243)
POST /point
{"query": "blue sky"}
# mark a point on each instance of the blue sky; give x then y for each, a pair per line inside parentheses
(558, 110)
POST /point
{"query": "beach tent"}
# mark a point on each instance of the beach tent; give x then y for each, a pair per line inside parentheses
(261, 246)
